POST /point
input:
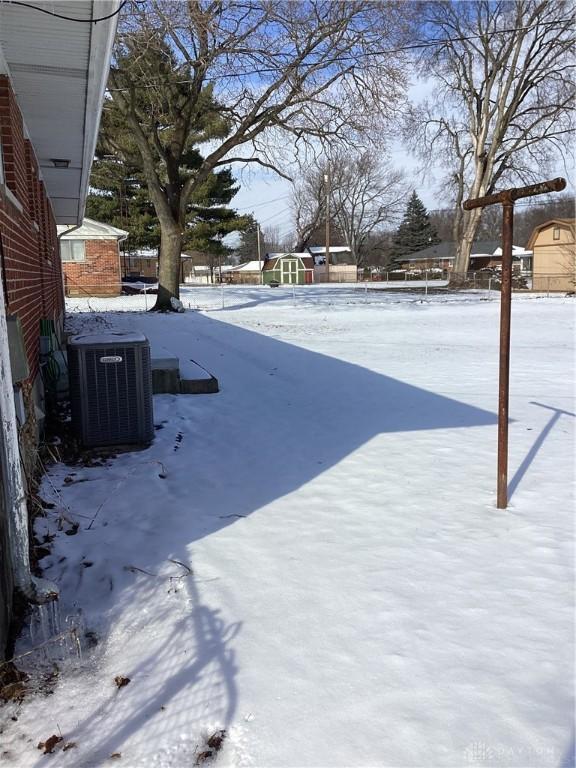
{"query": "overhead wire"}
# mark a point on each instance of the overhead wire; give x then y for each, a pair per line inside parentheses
(63, 16)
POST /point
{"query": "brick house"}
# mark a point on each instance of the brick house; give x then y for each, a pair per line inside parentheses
(91, 259)
(53, 74)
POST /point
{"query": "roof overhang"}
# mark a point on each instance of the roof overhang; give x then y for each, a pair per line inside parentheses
(59, 69)
(91, 230)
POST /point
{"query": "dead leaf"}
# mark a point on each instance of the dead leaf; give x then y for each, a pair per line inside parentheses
(49, 744)
(115, 756)
(216, 740)
(70, 745)
(121, 681)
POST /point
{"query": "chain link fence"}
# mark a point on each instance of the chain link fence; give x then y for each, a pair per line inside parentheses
(139, 296)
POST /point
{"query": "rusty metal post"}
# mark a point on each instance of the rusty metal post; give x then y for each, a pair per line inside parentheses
(504, 373)
(507, 198)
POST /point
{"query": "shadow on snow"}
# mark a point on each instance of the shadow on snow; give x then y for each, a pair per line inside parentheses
(284, 416)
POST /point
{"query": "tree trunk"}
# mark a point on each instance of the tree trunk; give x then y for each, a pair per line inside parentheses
(464, 247)
(169, 268)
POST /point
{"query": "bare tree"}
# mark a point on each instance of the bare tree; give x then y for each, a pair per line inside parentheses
(364, 191)
(367, 194)
(243, 80)
(503, 101)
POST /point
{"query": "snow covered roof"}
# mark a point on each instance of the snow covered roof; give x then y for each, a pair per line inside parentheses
(447, 250)
(318, 250)
(517, 251)
(248, 266)
(281, 254)
(92, 230)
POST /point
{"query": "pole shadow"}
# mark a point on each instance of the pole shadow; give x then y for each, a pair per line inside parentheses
(538, 443)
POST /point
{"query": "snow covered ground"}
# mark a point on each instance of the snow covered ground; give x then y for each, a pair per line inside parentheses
(322, 571)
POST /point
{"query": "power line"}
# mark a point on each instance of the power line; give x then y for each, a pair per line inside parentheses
(281, 212)
(260, 205)
(384, 52)
(62, 16)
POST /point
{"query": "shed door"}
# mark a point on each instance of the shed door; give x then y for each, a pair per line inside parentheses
(289, 271)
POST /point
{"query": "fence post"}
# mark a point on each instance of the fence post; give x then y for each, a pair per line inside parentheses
(548, 289)
(426, 281)
(222, 293)
(490, 287)
(145, 299)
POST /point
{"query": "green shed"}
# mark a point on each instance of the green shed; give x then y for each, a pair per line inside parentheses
(288, 268)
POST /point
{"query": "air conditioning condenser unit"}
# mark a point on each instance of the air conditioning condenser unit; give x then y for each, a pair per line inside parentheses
(111, 388)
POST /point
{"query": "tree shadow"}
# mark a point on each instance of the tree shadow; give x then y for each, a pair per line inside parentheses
(538, 443)
(569, 758)
(285, 415)
(258, 297)
(185, 681)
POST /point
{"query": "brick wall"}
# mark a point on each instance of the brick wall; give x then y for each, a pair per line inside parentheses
(31, 262)
(98, 275)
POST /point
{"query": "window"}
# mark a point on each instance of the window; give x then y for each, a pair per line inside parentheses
(72, 250)
(556, 233)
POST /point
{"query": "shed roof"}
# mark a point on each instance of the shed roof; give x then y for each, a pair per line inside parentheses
(569, 223)
(272, 260)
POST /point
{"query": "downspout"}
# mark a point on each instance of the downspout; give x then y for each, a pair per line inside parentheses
(58, 238)
(34, 589)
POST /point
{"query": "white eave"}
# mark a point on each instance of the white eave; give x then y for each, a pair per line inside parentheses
(58, 70)
(92, 230)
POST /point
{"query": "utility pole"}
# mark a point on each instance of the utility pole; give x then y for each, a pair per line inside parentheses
(259, 254)
(507, 198)
(327, 182)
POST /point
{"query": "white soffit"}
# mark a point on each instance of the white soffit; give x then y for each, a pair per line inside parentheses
(59, 69)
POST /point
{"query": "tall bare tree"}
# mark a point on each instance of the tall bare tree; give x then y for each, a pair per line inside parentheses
(364, 191)
(251, 77)
(503, 102)
(368, 194)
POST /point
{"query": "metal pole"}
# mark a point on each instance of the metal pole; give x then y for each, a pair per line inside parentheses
(507, 198)
(327, 181)
(504, 378)
(259, 255)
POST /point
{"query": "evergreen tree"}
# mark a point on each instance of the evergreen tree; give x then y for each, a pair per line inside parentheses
(415, 231)
(247, 249)
(119, 197)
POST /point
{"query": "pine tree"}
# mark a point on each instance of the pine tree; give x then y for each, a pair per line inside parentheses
(119, 197)
(415, 231)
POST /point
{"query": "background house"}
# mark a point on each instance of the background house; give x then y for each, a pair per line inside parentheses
(342, 266)
(91, 259)
(554, 260)
(249, 273)
(485, 254)
(52, 81)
